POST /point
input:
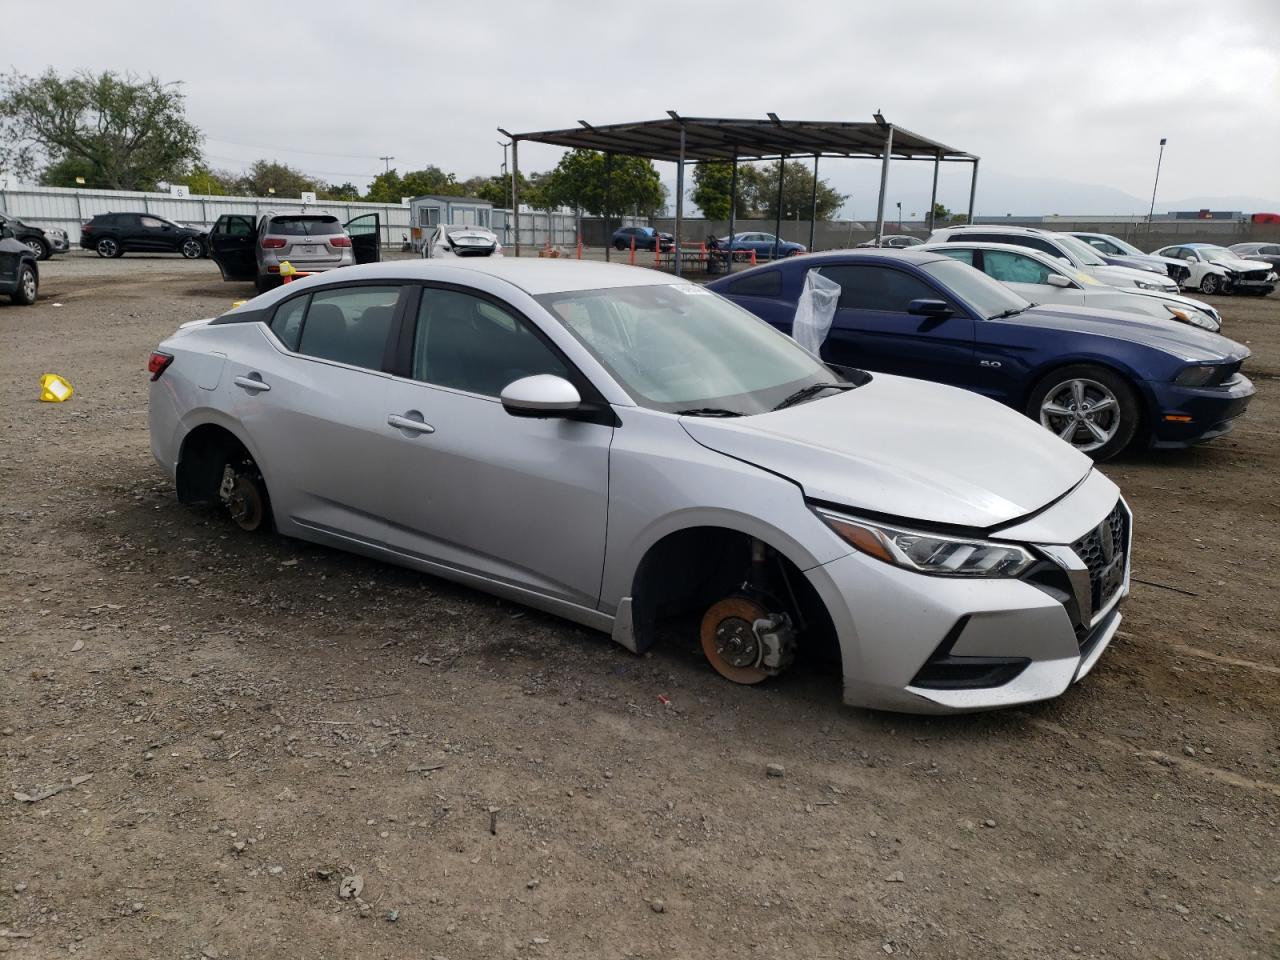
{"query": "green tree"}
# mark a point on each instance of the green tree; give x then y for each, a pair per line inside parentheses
(343, 191)
(579, 181)
(72, 172)
(209, 182)
(131, 133)
(272, 178)
(759, 187)
(389, 187)
(712, 183)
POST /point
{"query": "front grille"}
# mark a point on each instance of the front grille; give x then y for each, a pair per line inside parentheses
(1255, 275)
(1101, 549)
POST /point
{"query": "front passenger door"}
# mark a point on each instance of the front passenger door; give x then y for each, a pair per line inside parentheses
(366, 237)
(872, 329)
(233, 246)
(517, 500)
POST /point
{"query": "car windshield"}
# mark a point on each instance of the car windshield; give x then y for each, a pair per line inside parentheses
(1081, 250)
(1125, 246)
(677, 347)
(304, 226)
(989, 298)
(1215, 254)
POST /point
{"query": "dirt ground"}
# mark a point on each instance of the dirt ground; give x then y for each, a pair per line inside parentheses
(259, 718)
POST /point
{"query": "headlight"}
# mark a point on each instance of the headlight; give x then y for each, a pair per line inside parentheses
(930, 552)
(1143, 285)
(1195, 318)
(1197, 375)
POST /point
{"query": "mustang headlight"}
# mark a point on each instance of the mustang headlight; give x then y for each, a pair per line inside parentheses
(1197, 375)
(930, 553)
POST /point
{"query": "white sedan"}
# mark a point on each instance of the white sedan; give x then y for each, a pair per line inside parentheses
(1045, 279)
(453, 240)
(1216, 269)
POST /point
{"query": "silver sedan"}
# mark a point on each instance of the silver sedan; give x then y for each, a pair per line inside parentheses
(623, 449)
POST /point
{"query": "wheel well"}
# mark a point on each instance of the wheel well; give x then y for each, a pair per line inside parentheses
(688, 570)
(205, 453)
(1144, 412)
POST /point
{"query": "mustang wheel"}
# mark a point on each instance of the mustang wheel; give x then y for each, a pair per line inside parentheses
(1090, 407)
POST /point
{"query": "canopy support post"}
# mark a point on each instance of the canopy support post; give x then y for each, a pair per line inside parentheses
(973, 188)
(679, 205)
(884, 184)
(608, 205)
(933, 197)
(777, 223)
(733, 209)
(515, 191)
(813, 205)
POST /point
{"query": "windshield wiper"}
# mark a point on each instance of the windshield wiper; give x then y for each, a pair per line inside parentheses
(708, 412)
(804, 393)
(1012, 312)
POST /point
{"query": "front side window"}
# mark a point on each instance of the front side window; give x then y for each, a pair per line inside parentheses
(765, 283)
(870, 287)
(1014, 267)
(466, 343)
(678, 347)
(348, 325)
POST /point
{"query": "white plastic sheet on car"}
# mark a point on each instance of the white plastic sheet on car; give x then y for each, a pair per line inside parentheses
(815, 311)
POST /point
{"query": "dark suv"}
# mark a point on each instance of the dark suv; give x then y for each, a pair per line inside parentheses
(43, 243)
(115, 234)
(19, 276)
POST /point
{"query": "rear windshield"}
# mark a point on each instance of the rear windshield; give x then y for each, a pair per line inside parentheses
(304, 226)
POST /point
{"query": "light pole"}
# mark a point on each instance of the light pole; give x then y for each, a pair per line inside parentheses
(504, 144)
(1151, 214)
(387, 162)
(899, 202)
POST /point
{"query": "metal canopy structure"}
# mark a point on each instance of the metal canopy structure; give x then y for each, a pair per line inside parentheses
(683, 140)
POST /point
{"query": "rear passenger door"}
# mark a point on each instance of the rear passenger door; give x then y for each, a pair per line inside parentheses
(872, 329)
(233, 246)
(366, 237)
(312, 402)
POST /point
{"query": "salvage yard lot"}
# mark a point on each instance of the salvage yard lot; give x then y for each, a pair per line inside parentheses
(262, 717)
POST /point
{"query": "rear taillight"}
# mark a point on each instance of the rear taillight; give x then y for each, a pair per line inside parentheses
(272, 243)
(158, 364)
(86, 227)
(339, 241)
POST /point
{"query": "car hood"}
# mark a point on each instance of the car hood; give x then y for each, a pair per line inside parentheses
(1179, 339)
(908, 449)
(1125, 276)
(1241, 265)
(1135, 262)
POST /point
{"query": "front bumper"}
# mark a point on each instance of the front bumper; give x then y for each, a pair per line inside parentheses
(1199, 414)
(924, 644)
(58, 244)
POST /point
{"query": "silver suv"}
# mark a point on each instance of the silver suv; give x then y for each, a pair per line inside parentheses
(309, 242)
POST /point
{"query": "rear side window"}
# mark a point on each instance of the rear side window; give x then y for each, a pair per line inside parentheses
(348, 325)
(766, 283)
(304, 226)
(879, 288)
(287, 322)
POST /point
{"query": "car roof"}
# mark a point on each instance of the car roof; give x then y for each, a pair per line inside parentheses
(534, 275)
(1010, 228)
(1196, 244)
(1000, 247)
(912, 255)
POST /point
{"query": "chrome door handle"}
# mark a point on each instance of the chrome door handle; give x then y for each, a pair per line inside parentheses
(252, 384)
(409, 424)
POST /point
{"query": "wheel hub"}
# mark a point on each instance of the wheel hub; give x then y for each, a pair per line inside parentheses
(736, 642)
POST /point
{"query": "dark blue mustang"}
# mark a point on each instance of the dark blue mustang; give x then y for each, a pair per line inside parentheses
(1098, 379)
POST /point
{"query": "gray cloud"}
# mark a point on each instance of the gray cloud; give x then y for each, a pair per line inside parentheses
(1078, 92)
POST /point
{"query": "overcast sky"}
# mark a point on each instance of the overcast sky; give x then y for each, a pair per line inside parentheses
(1077, 90)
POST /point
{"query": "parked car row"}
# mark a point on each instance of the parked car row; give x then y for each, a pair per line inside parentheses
(249, 249)
(41, 242)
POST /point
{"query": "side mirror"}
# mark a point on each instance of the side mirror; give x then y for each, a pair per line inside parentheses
(1191, 259)
(542, 395)
(929, 308)
(1057, 280)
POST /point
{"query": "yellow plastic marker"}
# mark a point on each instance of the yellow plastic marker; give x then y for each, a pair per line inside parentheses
(238, 303)
(55, 389)
(287, 269)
